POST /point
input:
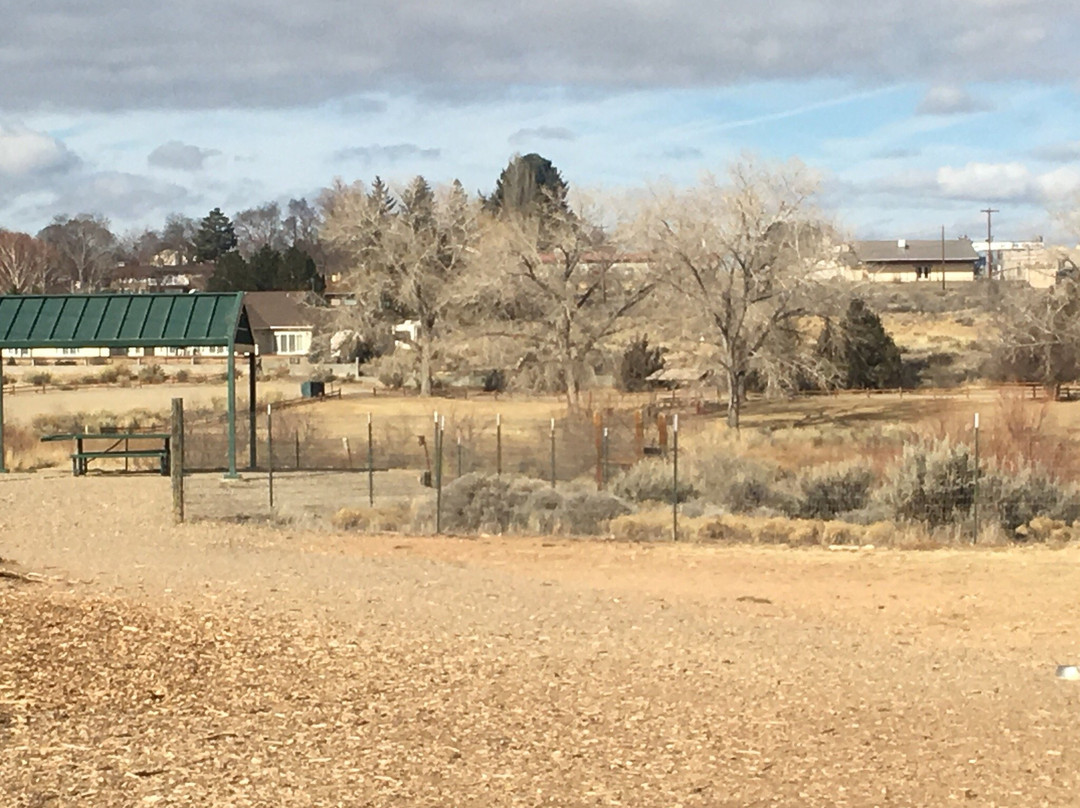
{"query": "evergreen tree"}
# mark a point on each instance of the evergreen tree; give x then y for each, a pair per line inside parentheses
(231, 274)
(871, 359)
(268, 270)
(528, 183)
(639, 362)
(215, 236)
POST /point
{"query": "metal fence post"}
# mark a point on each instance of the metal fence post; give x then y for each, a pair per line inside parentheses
(297, 438)
(270, 452)
(439, 428)
(370, 463)
(975, 493)
(552, 452)
(607, 457)
(459, 453)
(675, 478)
(498, 445)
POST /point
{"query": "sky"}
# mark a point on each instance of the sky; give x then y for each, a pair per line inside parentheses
(915, 114)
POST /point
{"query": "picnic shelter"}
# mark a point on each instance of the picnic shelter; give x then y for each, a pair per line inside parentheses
(123, 321)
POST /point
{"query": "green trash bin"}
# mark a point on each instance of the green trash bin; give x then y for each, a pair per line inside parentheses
(312, 389)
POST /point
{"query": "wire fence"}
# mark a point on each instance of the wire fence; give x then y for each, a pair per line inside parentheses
(644, 474)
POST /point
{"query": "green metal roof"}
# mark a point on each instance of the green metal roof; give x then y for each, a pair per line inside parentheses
(124, 321)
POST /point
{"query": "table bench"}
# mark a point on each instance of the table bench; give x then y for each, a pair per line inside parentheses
(119, 447)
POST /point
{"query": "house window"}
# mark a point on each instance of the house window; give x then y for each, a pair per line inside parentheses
(288, 343)
(69, 351)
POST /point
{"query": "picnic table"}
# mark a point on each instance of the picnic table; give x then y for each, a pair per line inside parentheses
(114, 445)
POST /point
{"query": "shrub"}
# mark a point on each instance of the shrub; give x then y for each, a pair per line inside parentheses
(639, 361)
(181, 375)
(371, 520)
(934, 483)
(829, 491)
(1020, 497)
(152, 374)
(40, 379)
(493, 381)
(650, 480)
(735, 483)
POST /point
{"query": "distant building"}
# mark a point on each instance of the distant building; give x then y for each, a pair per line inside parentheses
(908, 260)
(280, 322)
(140, 278)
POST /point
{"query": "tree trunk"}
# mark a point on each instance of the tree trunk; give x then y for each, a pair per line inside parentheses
(735, 393)
(572, 391)
(425, 360)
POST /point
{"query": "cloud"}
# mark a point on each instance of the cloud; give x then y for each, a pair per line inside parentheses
(944, 100)
(290, 55)
(1067, 152)
(541, 133)
(1011, 182)
(25, 153)
(119, 196)
(180, 156)
(390, 154)
(683, 153)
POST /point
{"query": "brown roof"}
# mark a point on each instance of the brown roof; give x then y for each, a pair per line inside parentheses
(277, 310)
(906, 250)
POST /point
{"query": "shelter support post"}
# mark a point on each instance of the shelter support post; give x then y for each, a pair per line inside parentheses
(252, 455)
(3, 467)
(231, 404)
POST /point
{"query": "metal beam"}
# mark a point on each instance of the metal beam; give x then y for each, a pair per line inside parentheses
(252, 456)
(3, 468)
(231, 403)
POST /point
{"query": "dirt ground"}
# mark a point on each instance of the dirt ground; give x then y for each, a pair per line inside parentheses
(239, 665)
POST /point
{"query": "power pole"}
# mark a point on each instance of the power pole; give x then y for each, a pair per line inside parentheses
(943, 258)
(989, 241)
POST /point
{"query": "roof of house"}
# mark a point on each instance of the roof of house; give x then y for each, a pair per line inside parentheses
(123, 321)
(907, 250)
(269, 310)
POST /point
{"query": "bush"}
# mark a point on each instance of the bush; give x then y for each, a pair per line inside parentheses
(493, 381)
(371, 520)
(934, 483)
(152, 374)
(485, 503)
(639, 361)
(40, 379)
(181, 376)
(829, 491)
(1020, 497)
(650, 480)
(735, 483)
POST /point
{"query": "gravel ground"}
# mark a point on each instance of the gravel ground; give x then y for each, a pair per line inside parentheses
(223, 664)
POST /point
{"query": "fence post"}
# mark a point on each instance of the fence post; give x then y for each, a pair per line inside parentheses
(552, 452)
(348, 450)
(439, 428)
(975, 494)
(661, 433)
(297, 437)
(370, 464)
(176, 459)
(607, 457)
(639, 434)
(598, 437)
(458, 453)
(675, 478)
(270, 452)
(498, 445)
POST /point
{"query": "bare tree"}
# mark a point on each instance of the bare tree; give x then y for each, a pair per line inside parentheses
(178, 235)
(25, 263)
(403, 257)
(560, 289)
(84, 247)
(741, 258)
(259, 227)
(1039, 335)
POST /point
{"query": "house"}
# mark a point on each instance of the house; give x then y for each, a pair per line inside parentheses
(905, 260)
(281, 323)
(141, 278)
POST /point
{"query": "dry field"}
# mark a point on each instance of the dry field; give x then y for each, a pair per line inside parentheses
(237, 665)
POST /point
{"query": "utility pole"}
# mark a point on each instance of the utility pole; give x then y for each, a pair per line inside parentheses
(989, 242)
(943, 258)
